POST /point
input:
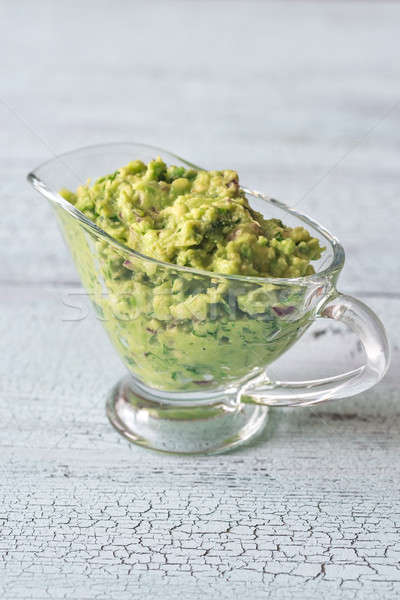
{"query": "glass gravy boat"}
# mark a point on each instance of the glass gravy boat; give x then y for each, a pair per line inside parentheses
(197, 344)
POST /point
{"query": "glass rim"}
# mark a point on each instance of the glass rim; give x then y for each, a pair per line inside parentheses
(338, 254)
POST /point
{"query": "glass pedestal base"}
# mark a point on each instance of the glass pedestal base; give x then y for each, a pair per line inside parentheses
(204, 426)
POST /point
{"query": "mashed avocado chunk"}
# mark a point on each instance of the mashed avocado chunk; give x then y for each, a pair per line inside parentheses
(194, 218)
(179, 330)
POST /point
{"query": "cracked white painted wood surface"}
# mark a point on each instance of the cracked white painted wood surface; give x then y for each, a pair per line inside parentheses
(281, 91)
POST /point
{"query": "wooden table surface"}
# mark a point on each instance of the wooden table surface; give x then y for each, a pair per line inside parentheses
(303, 98)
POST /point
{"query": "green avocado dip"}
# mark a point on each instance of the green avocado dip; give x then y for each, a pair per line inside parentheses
(178, 329)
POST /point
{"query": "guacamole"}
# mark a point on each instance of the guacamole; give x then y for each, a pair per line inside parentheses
(194, 218)
(179, 330)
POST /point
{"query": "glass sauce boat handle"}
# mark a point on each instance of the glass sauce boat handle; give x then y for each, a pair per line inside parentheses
(360, 319)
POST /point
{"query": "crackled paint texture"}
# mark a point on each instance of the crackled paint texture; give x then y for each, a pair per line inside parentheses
(280, 91)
